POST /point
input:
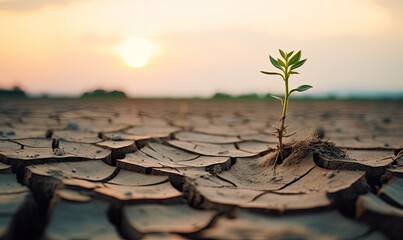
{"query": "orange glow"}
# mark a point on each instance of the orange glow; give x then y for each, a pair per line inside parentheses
(136, 52)
(197, 48)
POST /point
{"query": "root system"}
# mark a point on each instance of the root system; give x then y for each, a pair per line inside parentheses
(296, 150)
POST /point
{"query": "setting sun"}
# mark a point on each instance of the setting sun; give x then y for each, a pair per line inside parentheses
(136, 52)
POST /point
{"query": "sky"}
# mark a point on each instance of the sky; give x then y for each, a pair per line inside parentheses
(197, 48)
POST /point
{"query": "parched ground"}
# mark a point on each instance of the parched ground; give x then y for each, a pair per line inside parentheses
(173, 169)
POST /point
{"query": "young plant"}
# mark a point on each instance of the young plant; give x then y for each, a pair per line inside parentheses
(287, 66)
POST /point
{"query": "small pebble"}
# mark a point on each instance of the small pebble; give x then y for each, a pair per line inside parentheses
(101, 135)
(206, 175)
(10, 133)
(117, 138)
(277, 178)
(330, 175)
(128, 193)
(394, 166)
(98, 151)
(58, 152)
(72, 126)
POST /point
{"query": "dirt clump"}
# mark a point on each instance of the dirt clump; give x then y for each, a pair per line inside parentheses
(297, 150)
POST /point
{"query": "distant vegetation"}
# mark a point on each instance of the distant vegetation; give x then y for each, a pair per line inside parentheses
(18, 93)
(15, 92)
(99, 93)
(325, 96)
(248, 96)
(224, 96)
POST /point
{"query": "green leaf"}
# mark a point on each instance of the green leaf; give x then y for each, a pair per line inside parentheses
(295, 58)
(282, 54)
(281, 62)
(298, 64)
(272, 73)
(290, 54)
(292, 72)
(301, 88)
(278, 98)
(275, 63)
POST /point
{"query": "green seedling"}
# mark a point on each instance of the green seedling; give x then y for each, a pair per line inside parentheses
(287, 66)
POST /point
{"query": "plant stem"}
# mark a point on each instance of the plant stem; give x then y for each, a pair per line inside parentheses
(281, 129)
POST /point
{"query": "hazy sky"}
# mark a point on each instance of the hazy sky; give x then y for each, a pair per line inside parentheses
(200, 47)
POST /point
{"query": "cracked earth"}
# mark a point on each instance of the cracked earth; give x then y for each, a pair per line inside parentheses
(176, 169)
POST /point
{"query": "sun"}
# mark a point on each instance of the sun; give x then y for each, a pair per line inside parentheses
(136, 52)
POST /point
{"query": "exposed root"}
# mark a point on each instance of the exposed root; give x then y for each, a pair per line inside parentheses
(296, 150)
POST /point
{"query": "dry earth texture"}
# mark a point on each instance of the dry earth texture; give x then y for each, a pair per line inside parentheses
(138, 169)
